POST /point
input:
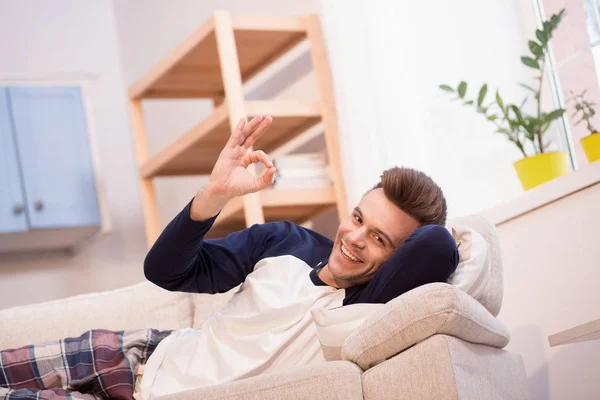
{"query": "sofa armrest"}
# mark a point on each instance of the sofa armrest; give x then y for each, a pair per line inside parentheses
(327, 380)
(436, 308)
(444, 367)
(139, 306)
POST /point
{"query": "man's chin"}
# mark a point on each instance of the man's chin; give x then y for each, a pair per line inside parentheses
(342, 272)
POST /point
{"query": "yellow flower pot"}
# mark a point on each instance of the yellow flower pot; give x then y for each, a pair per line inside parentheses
(541, 168)
(591, 147)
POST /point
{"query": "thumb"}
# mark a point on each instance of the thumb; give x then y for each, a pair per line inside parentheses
(265, 180)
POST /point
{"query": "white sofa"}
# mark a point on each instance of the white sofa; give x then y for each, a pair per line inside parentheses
(434, 342)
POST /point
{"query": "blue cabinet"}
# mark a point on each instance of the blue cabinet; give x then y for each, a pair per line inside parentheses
(47, 178)
(13, 215)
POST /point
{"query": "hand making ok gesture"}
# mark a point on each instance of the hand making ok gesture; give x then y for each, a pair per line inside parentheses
(230, 177)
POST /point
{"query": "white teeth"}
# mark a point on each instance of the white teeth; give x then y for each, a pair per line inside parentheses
(347, 254)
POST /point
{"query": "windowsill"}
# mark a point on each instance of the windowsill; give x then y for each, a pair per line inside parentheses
(545, 194)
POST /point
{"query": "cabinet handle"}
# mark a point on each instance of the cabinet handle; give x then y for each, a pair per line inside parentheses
(18, 209)
(38, 205)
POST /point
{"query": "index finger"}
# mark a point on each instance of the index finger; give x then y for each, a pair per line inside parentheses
(242, 130)
(258, 132)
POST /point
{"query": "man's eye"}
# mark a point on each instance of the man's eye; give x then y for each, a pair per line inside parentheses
(379, 239)
(358, 219)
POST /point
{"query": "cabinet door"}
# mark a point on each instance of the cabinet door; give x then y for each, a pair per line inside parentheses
(55, 156)
(13, 217)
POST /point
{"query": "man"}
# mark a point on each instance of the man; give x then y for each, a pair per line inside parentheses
(392, 242)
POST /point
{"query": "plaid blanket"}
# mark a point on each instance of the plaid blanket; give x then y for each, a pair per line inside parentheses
(98, 364)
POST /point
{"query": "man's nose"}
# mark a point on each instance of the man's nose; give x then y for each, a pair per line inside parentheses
(357, 237)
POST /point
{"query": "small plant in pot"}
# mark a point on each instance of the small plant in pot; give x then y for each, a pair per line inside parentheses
(520, 127)
(584, 112)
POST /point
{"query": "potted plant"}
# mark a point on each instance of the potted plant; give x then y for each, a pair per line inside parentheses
(525, 130)
(590, 143)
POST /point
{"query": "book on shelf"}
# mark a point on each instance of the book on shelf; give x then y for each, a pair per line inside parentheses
(302, 183)
(300, 171)
(301, 160)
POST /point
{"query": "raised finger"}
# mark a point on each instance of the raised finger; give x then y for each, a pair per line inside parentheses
(251, 126)
(237, 136)
(257, 133)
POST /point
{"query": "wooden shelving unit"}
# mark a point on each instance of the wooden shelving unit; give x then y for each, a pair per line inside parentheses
(195, 153)
(194, 70)
(214, 62)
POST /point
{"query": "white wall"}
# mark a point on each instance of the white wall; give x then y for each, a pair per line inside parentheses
(546, 292)
(388, 59)
(68, 38)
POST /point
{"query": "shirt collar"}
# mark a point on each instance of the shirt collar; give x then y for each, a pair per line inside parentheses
(314, 274)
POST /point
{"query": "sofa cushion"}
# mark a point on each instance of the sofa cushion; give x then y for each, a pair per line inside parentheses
(336, 324)
(473, 271)
(143, 305)
(436, 308)
(336, 380)
(491, 293)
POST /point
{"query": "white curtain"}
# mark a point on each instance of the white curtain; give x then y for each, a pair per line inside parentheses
(388, 59)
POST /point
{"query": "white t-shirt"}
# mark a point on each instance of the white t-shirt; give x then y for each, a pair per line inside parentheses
(266, 326)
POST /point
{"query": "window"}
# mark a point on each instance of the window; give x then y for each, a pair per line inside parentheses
(575, 65)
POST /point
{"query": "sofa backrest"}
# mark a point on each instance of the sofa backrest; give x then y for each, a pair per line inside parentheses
(143, 305)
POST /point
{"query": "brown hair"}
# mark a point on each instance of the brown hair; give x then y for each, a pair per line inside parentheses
(414, 193)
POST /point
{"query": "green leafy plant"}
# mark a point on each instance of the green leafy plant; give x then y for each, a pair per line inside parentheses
(585, 108)
(510, 119)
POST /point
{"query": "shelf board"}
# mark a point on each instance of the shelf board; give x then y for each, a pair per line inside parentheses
(196, 152)
(298, 206)
(192, 69)
(580, 333)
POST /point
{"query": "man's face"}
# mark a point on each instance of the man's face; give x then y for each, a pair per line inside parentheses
(367, 239)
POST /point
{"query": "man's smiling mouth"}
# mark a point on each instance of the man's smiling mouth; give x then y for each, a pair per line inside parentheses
(349, 255)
